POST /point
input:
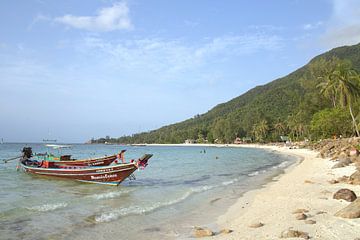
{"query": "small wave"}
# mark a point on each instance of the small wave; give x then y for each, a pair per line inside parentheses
(253, 174)
(138, 210)
(109, 195)
(47, 207)
(230, 182)
(282, 165)
(202, 188)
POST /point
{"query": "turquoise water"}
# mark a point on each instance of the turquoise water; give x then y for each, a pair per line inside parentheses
(182, 187)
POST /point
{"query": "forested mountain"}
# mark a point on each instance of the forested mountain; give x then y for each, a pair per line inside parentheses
(285, 106)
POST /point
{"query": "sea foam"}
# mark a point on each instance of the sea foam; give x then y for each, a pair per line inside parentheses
(138, 210)
(47, 207)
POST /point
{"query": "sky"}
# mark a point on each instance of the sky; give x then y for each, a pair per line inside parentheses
(73, 70)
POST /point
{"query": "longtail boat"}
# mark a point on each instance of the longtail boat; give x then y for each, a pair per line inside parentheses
(46, 159)
(111, 175)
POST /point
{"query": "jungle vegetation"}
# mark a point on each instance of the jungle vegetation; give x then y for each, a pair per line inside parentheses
(319, 100)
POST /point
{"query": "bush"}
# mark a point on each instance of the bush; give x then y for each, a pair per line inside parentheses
(330, 122)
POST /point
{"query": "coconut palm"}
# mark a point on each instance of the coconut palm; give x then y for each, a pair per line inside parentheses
(260, 130)
(343, 86)
(280, 128)
(346, 82)
(323, 70)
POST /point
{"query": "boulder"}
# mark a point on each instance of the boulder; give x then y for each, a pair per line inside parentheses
(294, 234)
(345, 194)
(202, 232)
(357, 165)
(355, 159)
(355, 178)
(343, 163)
(301, 216)
(351, 211)
(342, 155)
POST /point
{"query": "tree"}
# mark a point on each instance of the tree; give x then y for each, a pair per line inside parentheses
(260, 130)
(347, 83)
(329, 122)
(280, 128)
(323, 70)
(342, 85)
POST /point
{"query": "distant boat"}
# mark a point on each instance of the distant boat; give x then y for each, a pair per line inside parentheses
(56, 146)
(49, 140)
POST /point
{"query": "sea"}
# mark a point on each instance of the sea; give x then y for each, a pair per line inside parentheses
(182, 187)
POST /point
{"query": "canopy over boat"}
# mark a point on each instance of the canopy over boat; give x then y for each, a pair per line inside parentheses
(112, 175)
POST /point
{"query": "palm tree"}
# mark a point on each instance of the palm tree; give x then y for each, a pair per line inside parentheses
(323, 70)
(343, 85)
(279, 128)
(260, 130)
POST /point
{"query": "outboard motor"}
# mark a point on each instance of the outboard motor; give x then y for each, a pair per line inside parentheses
(27, 152)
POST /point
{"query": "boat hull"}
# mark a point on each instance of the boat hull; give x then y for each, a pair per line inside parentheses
(112, 175)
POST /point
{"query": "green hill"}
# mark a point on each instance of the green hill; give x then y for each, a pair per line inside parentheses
(286, 104)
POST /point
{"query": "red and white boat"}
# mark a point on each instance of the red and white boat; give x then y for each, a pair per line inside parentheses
(111, 175)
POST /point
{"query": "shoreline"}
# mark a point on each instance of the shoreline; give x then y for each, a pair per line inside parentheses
(303, 185)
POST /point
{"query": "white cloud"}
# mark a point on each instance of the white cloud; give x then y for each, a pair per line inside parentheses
(107, 19)
(344, 26)
(174, 56)
(312, 26)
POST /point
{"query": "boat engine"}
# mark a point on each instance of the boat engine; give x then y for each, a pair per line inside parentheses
(27, 152)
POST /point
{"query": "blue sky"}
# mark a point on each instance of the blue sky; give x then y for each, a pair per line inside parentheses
(73, 70)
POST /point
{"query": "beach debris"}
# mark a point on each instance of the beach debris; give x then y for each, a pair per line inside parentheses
(294, 234)
(321, 212)
(333, 181)
(256, 224)
(354, 152)
(325, 192)
(301, 216)
(355, 178)
(200, 232)
(343, 179)
(309, 181)
(300, 210)
(309, 221)
(345, 194)
(225, 231)
(351, 211)
(214, 200)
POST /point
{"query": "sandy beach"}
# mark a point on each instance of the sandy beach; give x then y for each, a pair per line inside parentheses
(302, 186)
